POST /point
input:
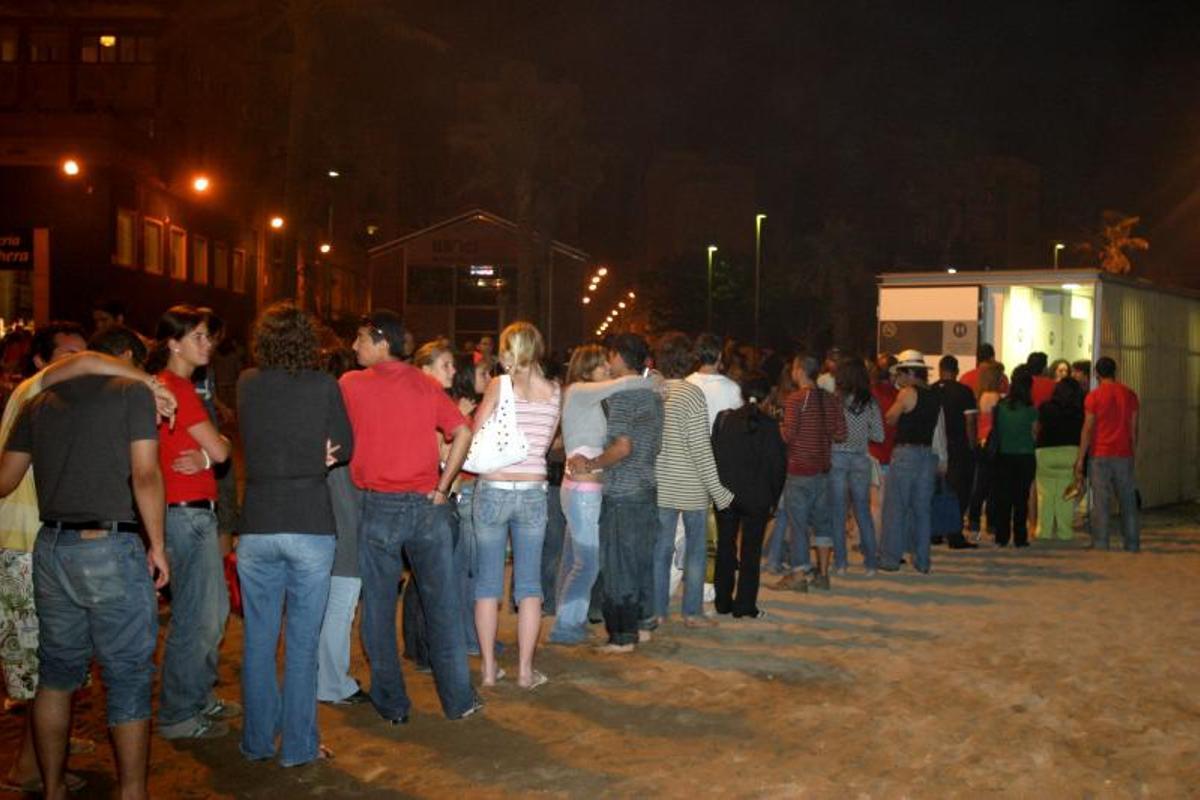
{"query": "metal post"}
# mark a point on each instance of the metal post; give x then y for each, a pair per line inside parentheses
(758, 221)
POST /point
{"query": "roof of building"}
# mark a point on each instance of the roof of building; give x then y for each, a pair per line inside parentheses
(479, 215)
(1020, 277)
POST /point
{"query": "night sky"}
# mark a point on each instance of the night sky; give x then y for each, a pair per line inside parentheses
(1101, 97)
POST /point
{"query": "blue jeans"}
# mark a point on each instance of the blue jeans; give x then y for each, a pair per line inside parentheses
(781, 544)
(908, 507)
(333, 651)
(851, 473)
(695, 557)
(464, 564)
(95, 595)
(394, 525)
(805, 496)
(580, 564)
(497, 511)
(1109, 476)
(277, 569)
(198, 594)
(552, 548)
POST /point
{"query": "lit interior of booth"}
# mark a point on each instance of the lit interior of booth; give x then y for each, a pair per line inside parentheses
(1057, 320)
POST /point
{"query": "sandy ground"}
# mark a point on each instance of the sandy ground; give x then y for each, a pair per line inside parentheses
(1049, 672)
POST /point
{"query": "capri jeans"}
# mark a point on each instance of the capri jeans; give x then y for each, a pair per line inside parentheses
(501, 510)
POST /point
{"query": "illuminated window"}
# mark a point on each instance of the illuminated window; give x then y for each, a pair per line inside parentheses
(125, 254)
(152, 246)
(221, 265)
(48, 45)
(239, 270)
(199, 259)
(178, 254)
(9, 39)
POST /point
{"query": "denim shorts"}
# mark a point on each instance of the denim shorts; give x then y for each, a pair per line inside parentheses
(95, 596)
(497, 512)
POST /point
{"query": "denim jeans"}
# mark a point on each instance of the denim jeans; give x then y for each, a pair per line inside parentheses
(851, 473)
(1114, 476)
(497, 512)
(628, 529)
(333, 650)
(552, 549)
(781, 545)
(394, 525)
(95, 595)
(464, 564)
(695, 558)
(198, 594)
(580, 564)
(278, 571)
(807, 504)
(908, 507)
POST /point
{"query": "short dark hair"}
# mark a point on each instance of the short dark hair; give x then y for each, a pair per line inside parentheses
(1037, 362)
(707, 349)
(1106, 367)
(985, 352)
(632, 349)
(383, 324)
(674, 355)
(118, 340)
(42, 344)
(1083, 366)
(948, 364)
(114, 308)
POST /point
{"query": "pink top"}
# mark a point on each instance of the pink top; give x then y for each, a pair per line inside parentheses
(537, 421)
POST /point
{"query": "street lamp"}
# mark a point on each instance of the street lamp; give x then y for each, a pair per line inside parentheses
(586, 299)
(70, 167)
(276, 222)
(200, 183)
(1058, 248)
(758, 221)
(712, 248)
(602, 271)
(325, 247)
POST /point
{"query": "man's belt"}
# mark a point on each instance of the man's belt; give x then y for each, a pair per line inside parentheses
(115, 526)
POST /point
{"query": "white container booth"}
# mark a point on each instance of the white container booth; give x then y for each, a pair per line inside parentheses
(1152, 332)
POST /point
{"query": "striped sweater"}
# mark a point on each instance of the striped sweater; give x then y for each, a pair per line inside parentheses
(685, 470)
(812, 422)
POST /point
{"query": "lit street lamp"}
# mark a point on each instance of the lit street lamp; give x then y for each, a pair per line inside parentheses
(758, 221)
(712, 248)
(200, 183)
(276, 222)
(325, 247)
(70, 167)
(1058, 248)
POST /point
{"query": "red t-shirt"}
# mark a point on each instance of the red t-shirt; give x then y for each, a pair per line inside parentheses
(884, 394)
(189, 411)
(394, 411)
(970, 379)
(1114, 405)
(1043, 390)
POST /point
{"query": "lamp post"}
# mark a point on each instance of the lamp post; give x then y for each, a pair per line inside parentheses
(758, 221)
(712, 248)
(1058, 248)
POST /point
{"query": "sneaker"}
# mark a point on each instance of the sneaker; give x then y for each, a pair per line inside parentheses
(841, 570)
(870, 572)
(223, 709)
(821, 582)
(355, 699)
(199, 727)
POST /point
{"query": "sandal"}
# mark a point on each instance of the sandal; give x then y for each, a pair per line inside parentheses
(536, 680)
(75, 783)
(499, 677)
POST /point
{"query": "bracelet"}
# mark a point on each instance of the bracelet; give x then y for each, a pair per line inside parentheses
(207, 460)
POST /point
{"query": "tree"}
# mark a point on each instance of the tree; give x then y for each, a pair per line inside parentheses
(1113, 240)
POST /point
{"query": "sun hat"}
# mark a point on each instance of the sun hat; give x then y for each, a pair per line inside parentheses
(909, 359)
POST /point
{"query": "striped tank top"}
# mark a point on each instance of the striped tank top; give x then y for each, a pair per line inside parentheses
(537, 421)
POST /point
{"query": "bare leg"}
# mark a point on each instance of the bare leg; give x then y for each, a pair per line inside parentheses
(529, 626)
(131, 741)
(51, 735)
(486, 619)
(824, 556)
(25, 766)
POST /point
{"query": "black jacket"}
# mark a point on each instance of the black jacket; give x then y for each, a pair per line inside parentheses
(751, 457)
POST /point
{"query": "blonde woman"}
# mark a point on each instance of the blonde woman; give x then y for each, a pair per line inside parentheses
(513, 501)
(436, 359)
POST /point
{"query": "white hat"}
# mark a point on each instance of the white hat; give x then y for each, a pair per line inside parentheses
(909, 359)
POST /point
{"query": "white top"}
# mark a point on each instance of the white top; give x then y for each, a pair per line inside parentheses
(720, 393)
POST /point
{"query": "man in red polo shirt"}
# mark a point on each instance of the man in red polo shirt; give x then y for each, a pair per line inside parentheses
(396, 413)
(1110, 430)
(984, 354)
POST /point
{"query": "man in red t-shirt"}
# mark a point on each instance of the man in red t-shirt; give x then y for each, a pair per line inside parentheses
(1110, 430)
(1043, 387)
(984, 354)
(396, 413)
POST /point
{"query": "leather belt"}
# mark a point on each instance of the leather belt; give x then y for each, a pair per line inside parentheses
(210, 505)
(114, 526)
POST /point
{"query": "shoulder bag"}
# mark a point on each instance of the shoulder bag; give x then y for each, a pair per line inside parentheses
(498, 443)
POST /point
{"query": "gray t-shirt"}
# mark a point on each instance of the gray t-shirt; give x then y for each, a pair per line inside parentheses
(78, 433)
(638, 415)
(347, 505)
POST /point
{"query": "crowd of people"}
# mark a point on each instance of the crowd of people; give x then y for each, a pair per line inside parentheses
(605, 475)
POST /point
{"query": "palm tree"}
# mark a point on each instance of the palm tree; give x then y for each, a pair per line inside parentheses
(1114, 240)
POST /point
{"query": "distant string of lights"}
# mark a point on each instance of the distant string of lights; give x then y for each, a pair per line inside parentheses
(622, 305)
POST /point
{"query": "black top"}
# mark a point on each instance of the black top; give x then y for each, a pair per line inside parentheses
(347, 509)
(751, 457)
(917, 426)
(1060, 424)
(956, 400)
(285, 421)
(78, 433)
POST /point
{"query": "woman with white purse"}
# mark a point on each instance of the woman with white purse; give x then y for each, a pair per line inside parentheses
(514, 427)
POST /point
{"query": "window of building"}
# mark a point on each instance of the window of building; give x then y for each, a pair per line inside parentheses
(113, 48)
(178, 254)
(152, 246)
(430, 286)
(221, 265)
(199, 259)
(48, 45)
(9, 40)
(126, 254)
(239, 270)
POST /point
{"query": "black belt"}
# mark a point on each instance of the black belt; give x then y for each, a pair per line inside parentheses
(210, 505)
(93, 525)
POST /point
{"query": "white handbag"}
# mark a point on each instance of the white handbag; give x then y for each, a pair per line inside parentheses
(498, 443)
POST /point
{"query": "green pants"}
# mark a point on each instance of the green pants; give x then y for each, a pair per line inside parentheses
(1055, 473)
